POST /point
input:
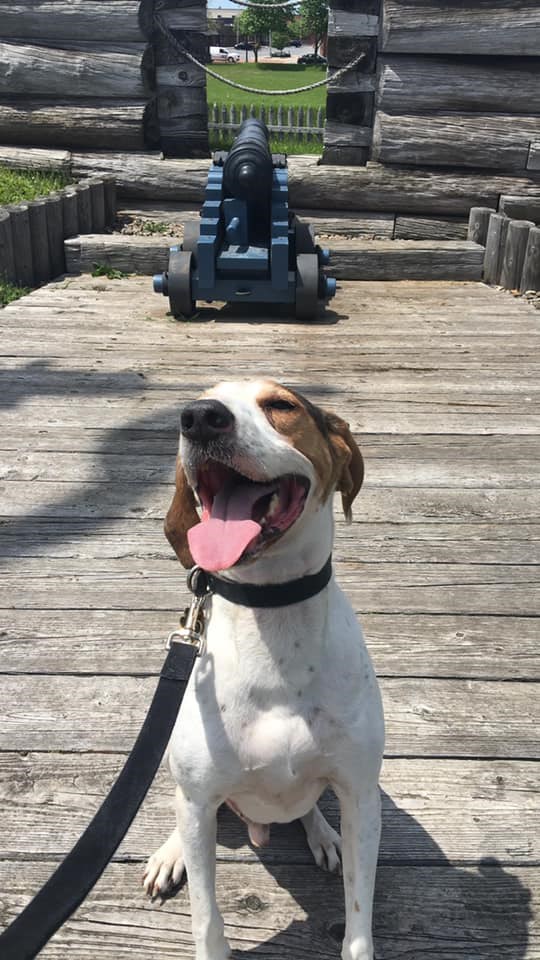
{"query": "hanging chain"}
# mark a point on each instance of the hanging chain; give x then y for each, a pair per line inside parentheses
(240, 86)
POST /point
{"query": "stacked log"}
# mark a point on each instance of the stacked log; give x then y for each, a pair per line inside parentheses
(352, 31)
(458, 84)
(78, 74)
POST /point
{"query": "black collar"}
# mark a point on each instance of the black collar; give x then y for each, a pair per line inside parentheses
(261, 595)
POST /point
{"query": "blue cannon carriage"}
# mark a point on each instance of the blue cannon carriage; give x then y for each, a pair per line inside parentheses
(248, 247)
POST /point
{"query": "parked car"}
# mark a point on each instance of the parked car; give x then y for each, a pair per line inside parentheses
(244, 45)
(295, 43)
(222, 55)
(311, 59)
(280, 53)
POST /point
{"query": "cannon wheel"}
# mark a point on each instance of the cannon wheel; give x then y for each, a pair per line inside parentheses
(180, 296)
(304, 241)
(192, 231)
(307, 286)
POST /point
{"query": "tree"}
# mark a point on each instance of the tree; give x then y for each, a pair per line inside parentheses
(314, 16)
(256, 25)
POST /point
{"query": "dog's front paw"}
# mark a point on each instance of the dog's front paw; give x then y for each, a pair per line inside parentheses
(359, 948)
(324, 842)
(165, 867)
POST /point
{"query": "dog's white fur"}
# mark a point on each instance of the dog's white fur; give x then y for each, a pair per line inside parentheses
(284, 702)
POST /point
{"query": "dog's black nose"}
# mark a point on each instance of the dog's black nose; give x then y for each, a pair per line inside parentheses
(206, 420)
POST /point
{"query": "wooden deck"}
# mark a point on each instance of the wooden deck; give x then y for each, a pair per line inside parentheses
(440, 383)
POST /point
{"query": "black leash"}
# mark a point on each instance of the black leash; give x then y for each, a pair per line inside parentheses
(79, 872)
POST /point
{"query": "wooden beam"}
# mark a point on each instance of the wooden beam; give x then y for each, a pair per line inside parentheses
(145, 176)
(499, 28)
(521, 208)
(478, 224)
(533, 162)
(35, 158)
(530, 277)
(431, 228)
(41, 72)
(494, 141)
(415, 84)
(90, 123)
(356, 259)
(73, 20)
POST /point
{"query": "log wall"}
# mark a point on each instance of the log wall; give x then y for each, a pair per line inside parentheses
(458, 85)
(77, 73)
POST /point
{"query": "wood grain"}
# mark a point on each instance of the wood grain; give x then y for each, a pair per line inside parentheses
(73, 20)
(471, 28)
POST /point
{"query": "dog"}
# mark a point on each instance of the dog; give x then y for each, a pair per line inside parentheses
(283, 701)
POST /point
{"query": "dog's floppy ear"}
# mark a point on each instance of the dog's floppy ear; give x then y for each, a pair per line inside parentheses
(181, 516)
(348, 460)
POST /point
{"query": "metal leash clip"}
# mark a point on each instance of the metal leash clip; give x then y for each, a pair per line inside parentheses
(192, 619)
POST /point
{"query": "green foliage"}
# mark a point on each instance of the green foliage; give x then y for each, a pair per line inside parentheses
(17, 185)
(105, 270)
(256, 25)
(155, 226)
(9, 292)
(314, 19)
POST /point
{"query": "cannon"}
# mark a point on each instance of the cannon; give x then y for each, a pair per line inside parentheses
(247, 247)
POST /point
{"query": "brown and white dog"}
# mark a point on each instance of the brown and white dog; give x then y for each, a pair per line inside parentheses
(284, 701)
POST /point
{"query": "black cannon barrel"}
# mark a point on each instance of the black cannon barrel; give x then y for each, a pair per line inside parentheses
(247, 173)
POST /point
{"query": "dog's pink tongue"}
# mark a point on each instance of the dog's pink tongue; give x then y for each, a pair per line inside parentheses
(219, 541)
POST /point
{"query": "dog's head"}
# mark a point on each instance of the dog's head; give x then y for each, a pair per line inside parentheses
(257, 459)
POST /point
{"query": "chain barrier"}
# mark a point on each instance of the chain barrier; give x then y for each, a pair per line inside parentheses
(240, 86)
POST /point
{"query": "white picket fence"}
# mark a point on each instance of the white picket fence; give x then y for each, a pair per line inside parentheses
(302, 123)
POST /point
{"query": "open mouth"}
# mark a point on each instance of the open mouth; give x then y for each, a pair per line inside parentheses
(241, 516)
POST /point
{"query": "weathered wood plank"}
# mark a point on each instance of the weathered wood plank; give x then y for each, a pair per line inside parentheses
(299, 913)
(495, 803)
(35, 158)
(495, 242)
(410, 85)
(374, 187)
(521, 208)
(431, 228)
(469, 28)
(498, 589)
(494, 141)
(123, 124)
(73, 20)
(514, 253)
(347, 23)
(533, 160)
(444, 646)
(424, 717)
(40, 72)
(393, 471)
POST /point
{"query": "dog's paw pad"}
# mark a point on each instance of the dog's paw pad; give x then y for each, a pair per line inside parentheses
(165, 868)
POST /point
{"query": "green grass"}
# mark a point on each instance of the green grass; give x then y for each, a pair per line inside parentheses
(9, 292)
(266, 76)
(17, 185)
(105, 270)
(289, 145)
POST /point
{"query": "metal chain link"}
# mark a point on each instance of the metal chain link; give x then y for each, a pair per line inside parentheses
(240, 86)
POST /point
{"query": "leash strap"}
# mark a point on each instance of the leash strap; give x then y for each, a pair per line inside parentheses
(268, 594)
(83, 866)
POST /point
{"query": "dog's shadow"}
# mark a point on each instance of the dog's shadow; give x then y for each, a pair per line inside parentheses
(425, 906)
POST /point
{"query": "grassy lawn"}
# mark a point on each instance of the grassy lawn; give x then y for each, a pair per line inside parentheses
(267, 76)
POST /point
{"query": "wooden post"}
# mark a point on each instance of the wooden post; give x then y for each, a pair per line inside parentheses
(70, 213)
(478, 224)
(7, 258)
(495, 240)
(84, 207)
(109, 184)
(514, 253)
(97, 203)
(530, 275)
(55, 234)
(39, 241)
(22, 244)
